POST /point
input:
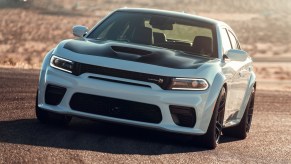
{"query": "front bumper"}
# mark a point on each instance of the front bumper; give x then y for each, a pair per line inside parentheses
(202, 101)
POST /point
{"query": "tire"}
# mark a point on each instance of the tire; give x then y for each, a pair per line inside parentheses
(47, 117)
(241, 130)
(211, 138)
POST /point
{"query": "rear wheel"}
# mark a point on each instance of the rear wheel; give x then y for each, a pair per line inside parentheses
(48, 117)
(240, 131)
(212, 136)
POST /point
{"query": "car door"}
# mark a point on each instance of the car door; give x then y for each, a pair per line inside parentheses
(244, 72)
(234, 70)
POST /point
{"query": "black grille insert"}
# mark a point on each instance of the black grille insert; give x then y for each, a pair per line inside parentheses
(117, 108)
(183, 116)
(162, 81)
(54, 94)
(118, 81)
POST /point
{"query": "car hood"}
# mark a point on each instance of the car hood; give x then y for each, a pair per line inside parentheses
(137, 53)
(132, 57)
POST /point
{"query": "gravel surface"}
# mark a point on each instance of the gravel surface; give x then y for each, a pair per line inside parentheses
(24, 140)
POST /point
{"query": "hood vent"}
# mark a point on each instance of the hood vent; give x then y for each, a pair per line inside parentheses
(130, 50)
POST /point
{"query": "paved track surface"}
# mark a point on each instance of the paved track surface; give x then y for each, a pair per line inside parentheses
(23, 139)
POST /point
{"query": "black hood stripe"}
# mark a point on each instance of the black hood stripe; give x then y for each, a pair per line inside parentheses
(137, 53)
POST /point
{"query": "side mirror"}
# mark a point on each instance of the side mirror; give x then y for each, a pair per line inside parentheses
(79, 31)
(236, 55)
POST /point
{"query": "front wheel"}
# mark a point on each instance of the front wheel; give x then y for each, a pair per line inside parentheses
(211, 138)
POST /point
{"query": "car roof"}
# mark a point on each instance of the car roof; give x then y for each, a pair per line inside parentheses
(174, 14)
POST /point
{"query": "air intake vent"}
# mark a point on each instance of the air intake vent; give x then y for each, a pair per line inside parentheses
(183, 116)
(54, 94)
(117, 108)
(130, 50)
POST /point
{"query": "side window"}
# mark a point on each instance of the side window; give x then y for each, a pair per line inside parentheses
(234, 42)
(225, 41)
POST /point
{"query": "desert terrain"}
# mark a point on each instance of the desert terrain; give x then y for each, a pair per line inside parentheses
(30, 29)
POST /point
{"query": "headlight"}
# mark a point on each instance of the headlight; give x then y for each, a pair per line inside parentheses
(62, 64)
(189, 84)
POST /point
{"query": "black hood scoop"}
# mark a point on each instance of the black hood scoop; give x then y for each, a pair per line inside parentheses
(137, 53)
(130, 50)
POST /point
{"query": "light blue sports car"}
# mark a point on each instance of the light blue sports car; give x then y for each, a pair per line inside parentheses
(156, 69)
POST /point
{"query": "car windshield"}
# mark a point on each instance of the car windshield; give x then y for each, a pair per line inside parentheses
(156, 30)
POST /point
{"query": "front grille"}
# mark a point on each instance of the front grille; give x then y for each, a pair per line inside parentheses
(162, 81)
(117, 108)
(118, 81)
(183, 116)
(54, 94)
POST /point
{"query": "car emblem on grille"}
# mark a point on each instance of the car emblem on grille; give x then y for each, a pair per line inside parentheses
(160, 80)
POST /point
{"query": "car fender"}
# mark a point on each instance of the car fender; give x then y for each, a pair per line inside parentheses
(214, 90)
(46, 62)
(251, 84)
